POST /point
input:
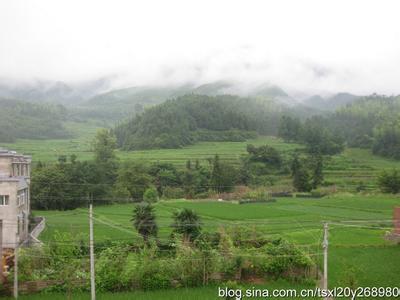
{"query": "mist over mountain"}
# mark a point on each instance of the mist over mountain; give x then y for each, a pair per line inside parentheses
(101, 98)
(52, 91)
(329, 103)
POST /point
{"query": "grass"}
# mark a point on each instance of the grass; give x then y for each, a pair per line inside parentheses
(50, 150)
(352, 169)
(362, 250)
(80, 145)
(298, 220)
(210, 292)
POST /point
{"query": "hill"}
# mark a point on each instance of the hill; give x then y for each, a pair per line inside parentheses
(331, 103)
(19, 119)
(122, 103)
(192, 118)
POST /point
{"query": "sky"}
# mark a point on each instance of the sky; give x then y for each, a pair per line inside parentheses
(302, 46)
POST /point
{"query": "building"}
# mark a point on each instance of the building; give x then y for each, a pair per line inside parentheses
(14, 197)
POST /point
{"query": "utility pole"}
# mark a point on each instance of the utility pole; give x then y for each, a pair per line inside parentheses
(16, 266)
(325, 247)
(1, 251)
(92, 271)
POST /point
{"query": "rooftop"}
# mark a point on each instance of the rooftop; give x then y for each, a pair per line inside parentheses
(16, 157)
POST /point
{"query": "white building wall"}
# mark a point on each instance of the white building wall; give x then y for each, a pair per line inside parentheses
(15, 215)
(9, 213)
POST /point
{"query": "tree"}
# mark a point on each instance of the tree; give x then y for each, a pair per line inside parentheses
(318, 176)
(164, 175)
(289, 128)
(223, 176)
(387, 141)
(150, 195)
(144, 221)
(389, 182)
(295, 165)
(320, 139)
(104, 145)
(187, 223)
(265, 154)
(301, 180)
(216, 174)
(135, 178)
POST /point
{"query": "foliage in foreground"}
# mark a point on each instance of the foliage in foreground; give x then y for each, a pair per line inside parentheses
(211, 258)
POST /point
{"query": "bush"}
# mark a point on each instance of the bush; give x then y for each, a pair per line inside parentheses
(155, 274)
(150, 195)
(389, 182)
(109, 266)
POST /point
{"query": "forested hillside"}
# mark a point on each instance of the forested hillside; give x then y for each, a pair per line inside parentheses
(19, 119)
(371, 122)
(193, 118)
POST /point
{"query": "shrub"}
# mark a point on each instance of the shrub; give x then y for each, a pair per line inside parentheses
(389, 182)
(109, 266)
(150, 195)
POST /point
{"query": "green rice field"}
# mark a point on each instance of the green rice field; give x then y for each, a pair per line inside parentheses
(357, 228)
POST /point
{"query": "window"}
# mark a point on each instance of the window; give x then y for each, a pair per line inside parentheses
(4, 200)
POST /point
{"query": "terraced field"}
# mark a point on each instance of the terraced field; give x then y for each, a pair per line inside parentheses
(353, 170)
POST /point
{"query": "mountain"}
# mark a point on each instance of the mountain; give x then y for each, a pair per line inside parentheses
(122, 103)
(264, 90)
(41, 91)
(330, 103)
(119, 104)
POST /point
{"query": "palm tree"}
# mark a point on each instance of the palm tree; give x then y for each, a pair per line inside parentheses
(144, 220)
(188, 223)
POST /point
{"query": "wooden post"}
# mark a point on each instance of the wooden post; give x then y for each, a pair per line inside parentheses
(325, 247)
(1, 252)
(16, 267)
(92, 270)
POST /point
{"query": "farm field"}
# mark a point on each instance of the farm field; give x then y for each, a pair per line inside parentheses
(349, 171)
(80, 145)
(357, 245)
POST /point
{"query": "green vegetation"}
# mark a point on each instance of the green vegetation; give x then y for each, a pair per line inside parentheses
(20, 119)
(193, 118)
(144, 221)
(199, 293)
(314, 133)
(389, 182)
(187, 223)
(161, 242)
(359, 244)
(370, 122)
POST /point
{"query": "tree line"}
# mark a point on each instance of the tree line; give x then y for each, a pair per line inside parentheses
(70, 183)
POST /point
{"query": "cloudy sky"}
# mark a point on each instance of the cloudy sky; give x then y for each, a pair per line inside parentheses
(303, 45)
